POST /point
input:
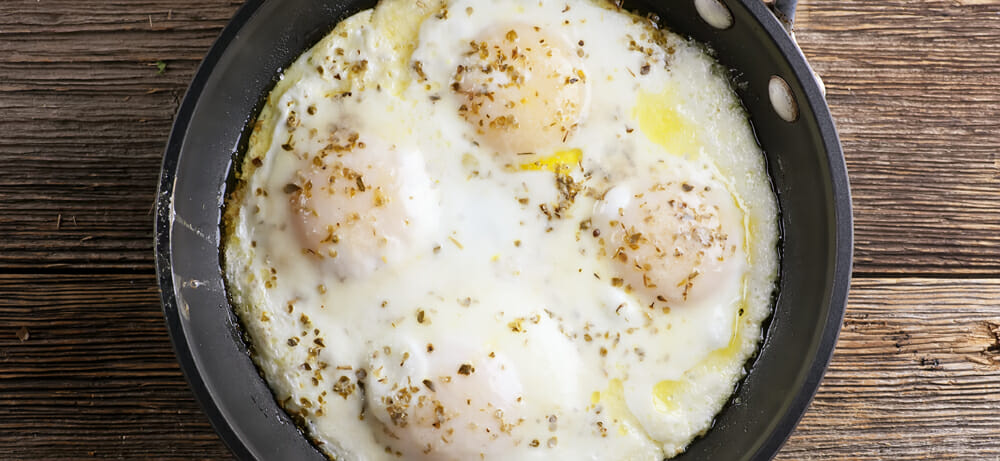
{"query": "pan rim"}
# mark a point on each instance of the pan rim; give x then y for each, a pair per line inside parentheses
(163, 238)
(841, 223)
(843, 229)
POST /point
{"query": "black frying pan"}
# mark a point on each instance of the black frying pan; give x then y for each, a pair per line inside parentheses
(804, 160)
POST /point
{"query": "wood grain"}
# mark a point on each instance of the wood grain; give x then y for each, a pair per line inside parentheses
(916, 374)
(86, 368)
(915, 90)
(914, 87)
(86, 116)
(95, 375)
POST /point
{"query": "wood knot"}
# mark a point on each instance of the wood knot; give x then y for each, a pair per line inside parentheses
(994, 329)
(992, 350)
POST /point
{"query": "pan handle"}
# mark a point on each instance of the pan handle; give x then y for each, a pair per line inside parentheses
(784, 10)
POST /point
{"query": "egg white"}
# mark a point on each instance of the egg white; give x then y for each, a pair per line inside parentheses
(493, 320)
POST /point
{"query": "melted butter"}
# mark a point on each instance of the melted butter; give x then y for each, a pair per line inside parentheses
(750, 227)
(664, 392)
(398, 25)
(559, 162)
(724, 355)
(663, 125)
(663, 395)
(613, 399)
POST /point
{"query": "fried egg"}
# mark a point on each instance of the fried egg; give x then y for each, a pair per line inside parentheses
(502, 230)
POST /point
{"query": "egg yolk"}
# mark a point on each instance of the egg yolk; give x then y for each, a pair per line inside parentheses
(671, 243)
(354, 207)
(433, 409)
(561, 162)
(522, 90)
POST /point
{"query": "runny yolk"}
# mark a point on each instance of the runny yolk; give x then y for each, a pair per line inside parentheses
(559, 162)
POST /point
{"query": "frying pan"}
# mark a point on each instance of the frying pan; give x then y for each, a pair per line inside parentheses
(804, 160)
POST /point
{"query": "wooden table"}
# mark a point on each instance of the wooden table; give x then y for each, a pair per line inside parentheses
(86, 367)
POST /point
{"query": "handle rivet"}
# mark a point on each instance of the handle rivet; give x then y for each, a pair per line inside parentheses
(782, 99)
(715, 13)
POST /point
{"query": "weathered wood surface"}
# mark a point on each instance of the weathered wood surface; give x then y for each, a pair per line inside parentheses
(84, 116)
(915, 90)
(86, 370)
(914, 86)
(916, 374)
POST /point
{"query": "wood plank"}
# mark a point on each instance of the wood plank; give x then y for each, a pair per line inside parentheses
(95, 375)
(916, 374)
(78, 184)
(915, 90)
(86, 118)
(914, 87)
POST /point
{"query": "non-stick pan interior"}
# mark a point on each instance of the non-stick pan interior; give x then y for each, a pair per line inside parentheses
(804, 160)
